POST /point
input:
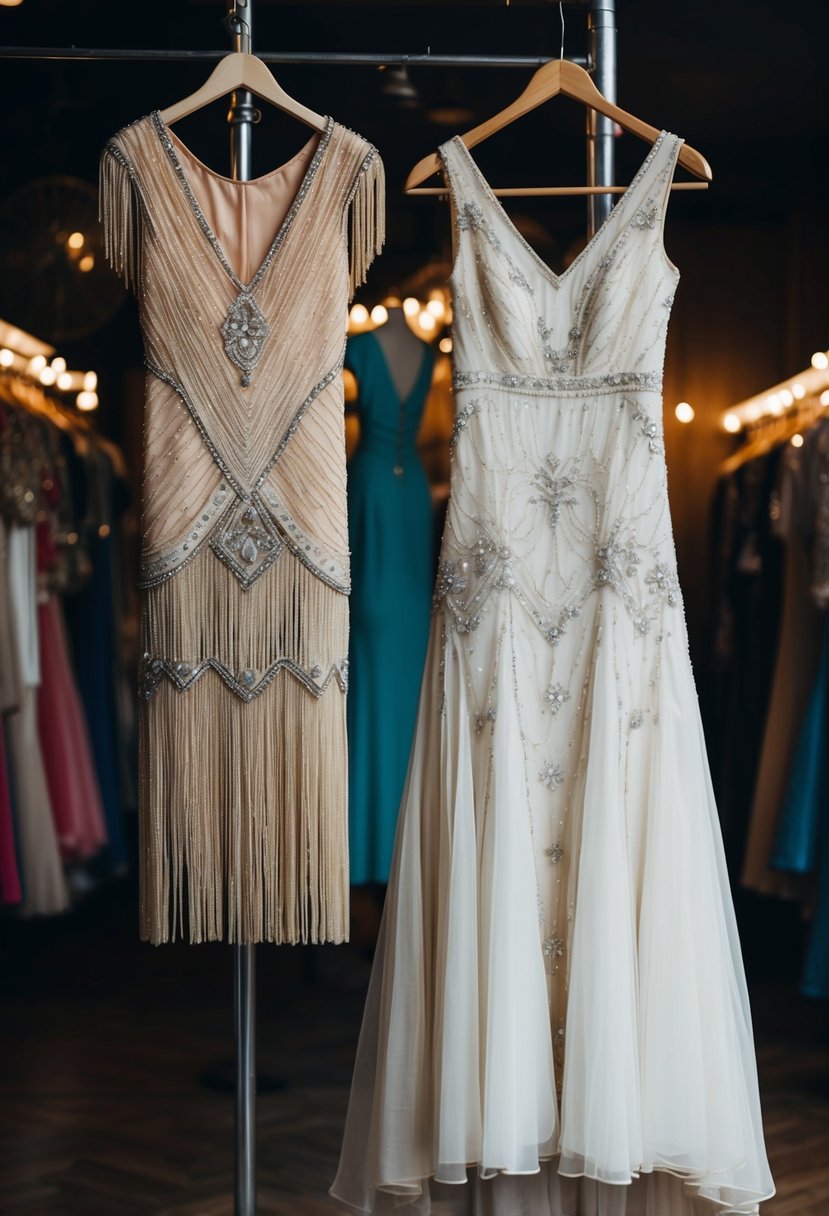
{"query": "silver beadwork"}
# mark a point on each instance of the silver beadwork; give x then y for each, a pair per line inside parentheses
(244, 330)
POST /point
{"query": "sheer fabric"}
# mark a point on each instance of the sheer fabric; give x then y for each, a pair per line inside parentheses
(557, 1021)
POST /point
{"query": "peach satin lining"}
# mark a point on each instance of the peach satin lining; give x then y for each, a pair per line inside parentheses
(245, 216)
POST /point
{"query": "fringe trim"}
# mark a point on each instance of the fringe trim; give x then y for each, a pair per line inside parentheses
(243, 807)
(122, 213)
(368, 218)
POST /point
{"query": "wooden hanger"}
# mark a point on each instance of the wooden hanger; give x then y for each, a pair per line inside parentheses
(242, 71)
(561, 76)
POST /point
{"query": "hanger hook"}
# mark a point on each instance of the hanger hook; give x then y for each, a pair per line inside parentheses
(237, 24)
(561, 14)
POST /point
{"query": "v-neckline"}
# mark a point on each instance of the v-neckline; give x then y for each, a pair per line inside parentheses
(167, 143)
(402, 400)
(559, 279)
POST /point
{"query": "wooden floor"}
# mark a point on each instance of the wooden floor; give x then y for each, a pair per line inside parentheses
(115, 1060)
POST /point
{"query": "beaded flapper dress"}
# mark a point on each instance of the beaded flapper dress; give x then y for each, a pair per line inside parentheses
(557, 1018)
(243, 291)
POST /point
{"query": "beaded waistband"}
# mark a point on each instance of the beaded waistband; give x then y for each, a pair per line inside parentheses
(559, 386)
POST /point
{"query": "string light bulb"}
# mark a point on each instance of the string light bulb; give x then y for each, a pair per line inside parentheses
(37, 364)
(445, 345)
(787, 397)
(684, 412)
(359, 314)
(48, 376)
(411, 306)
(90, 381)
(6, 357)
(87, 400)
(732, 423)
(797, 441)
(820, 360)
(824, 398)
(798, 391)
(379, 314)
(437, 308)
(65, 381)
(75, 240)
(59, 365)
(427, 321)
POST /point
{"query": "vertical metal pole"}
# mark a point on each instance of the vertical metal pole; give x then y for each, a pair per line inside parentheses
(241, 119)
(242, 112)
(601, 51)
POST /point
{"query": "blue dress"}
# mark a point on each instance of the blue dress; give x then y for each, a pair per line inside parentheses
(390, 537)
(802, 844)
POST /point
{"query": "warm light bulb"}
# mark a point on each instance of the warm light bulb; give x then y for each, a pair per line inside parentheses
(379, 314)
(445, 345)
(820, 359)
(37, 364)
(798, 391)
(437, 308)
(732, 423)
(753, 413)
(797, 441)
(65, 381)
(824, 397)
(6, 357)
(773, 404)
(48, 376)
(786, 397)
(75, 240)
(86, 263)
(59, 365)
(87, 400)
(359, 314)
(684, 412)
(90, 381)
(426, 321)
(411, 306)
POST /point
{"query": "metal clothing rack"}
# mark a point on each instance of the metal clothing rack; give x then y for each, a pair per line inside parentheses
(601, 58)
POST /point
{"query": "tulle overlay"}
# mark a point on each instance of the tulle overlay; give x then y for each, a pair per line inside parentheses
(557, 1018)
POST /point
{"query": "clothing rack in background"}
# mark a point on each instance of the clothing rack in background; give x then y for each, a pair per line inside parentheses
(601, 60)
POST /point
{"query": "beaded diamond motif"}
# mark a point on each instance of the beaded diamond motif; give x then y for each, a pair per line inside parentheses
(244, 330)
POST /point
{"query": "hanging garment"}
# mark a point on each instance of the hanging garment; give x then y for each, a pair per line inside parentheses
(92, 621)
(390, 537)
(558, 989)
(10, 694)
(74, 791)
(798, 655)
(44, 887)
(243, 289)
(748, 582)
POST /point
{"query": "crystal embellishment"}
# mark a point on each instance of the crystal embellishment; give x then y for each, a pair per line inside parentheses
(555, 697)
(248, 544)
(244, 330)
(553, 947)
(555, 852)
(551, 775)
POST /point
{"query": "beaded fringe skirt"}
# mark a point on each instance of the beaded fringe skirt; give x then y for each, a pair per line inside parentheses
(243, 829)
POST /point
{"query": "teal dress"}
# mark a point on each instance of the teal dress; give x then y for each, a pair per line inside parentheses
(390, 536)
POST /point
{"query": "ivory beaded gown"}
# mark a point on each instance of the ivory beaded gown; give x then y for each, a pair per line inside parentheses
(243, 291)
(557, 1014)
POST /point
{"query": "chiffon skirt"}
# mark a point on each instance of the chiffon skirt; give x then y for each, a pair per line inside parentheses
(468, 1096)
